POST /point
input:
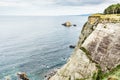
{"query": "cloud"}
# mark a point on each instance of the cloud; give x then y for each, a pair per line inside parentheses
(23, 3)
(79, 2)
(53, 7)
(12, 4)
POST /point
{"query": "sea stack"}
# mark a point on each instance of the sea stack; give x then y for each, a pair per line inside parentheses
(67, 24)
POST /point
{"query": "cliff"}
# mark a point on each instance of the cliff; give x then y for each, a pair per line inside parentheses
(97, 54)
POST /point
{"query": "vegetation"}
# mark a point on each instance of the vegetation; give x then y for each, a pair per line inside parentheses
(113, 74)
(113, 9)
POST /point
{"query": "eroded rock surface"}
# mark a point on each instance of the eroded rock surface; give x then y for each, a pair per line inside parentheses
(78, 67)
(103, 45)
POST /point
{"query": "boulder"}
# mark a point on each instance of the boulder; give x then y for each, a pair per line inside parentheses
(22, 76)
(67, 24)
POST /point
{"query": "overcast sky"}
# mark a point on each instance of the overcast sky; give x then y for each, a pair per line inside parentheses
(53, 7)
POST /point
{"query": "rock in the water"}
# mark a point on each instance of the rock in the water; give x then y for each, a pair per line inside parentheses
(67, 24)
(22, 76)
(74, 25)
(72, 46)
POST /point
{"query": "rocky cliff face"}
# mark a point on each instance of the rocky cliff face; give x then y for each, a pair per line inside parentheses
(97, 54)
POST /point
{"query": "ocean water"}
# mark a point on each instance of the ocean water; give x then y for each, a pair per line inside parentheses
(36, 44)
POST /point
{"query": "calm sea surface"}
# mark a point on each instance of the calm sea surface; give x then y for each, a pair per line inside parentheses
(35, 44)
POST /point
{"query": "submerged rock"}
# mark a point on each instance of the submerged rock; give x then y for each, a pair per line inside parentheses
(72, 46)
(74, 25)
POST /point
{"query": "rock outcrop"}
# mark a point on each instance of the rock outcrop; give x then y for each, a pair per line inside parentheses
(67, 24)
(97, 54)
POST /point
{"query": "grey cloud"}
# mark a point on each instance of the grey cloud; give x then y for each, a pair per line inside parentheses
(79, 2)
(60, 2)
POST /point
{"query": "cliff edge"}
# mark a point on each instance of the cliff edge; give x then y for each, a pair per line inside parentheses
(97, 54)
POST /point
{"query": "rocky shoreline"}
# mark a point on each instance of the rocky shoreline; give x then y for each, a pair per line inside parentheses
(51, 73)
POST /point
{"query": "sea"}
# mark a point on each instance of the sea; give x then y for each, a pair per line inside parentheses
(36, 44)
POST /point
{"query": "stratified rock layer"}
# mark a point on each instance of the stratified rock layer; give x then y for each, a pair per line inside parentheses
(97, 54)
(103, 45)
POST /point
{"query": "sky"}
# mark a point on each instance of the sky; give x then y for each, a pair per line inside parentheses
(53, 7)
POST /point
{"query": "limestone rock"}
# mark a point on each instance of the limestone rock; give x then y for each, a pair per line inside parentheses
(103, 45)
(78, 67)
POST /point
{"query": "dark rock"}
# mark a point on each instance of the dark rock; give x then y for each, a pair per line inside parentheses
(72, 46)
(22, 76)
(74, 25)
